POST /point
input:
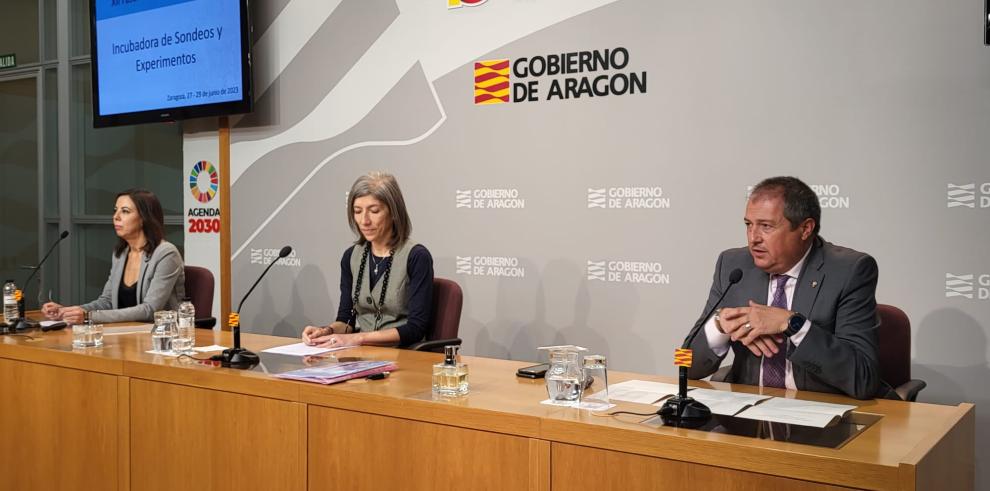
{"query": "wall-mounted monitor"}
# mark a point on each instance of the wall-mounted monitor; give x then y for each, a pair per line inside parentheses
(165, 60)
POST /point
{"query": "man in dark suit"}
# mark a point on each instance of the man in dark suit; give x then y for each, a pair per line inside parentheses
(804, 314)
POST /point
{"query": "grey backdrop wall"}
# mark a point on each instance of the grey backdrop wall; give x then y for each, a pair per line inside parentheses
(594, 216)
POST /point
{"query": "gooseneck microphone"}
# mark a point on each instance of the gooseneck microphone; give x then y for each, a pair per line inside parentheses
(238, 357)
(23, 323)
(681, 410)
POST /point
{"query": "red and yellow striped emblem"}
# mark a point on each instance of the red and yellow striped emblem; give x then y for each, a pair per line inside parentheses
(18, 295)
(682, 357)
(234, 319)
(491, 81)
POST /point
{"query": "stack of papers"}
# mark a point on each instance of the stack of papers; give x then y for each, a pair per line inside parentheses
(640, 391)
(339, 372)
(797, 412)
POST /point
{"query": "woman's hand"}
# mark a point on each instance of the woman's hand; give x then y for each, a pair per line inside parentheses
(52, 311)
(310, 333)
(72, 315)
(334, 340)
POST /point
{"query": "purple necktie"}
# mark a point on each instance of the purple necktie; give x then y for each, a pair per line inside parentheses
(775, 366)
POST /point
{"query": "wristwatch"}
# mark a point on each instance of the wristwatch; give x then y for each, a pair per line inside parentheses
(718, 325)
(794, 324)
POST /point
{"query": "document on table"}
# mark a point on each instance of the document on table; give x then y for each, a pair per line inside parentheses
(110, 331)
(640, 391)
(797, 412)
(725, 402)
(300, 349)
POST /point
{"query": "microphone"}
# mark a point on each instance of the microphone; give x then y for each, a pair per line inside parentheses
(238, 357)
(28, 324)
(681, 410)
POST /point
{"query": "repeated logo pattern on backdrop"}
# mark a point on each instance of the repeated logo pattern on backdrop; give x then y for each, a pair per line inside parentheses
(495, 266)
(970, 195)
(967, 286)
(637, 197)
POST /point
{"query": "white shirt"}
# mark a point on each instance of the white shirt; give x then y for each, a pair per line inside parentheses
(719, 342)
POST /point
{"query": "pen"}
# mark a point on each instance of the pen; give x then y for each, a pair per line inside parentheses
(378, 376)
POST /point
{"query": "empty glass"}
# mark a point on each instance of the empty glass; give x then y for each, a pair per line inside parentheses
(596, 394)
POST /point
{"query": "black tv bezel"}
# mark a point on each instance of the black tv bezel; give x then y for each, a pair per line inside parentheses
(161, 115)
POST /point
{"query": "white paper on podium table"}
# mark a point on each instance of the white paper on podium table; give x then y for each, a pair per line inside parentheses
(797, 412)
(48, 323)
(640, 391)
(725, 402)
(590, 406)
(300, 349)
(110, 331)
(209, 349)
(163, 353)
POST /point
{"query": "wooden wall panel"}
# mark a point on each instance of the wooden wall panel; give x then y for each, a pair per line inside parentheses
(59, 428)
(181, 436)
(576, 467)
(358, 451)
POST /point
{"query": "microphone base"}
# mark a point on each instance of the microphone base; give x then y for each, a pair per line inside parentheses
(25, 324)
(684, 412)
(238, 358)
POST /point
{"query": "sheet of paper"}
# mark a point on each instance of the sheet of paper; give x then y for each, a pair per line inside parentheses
(300, 349)
(163, 353)
(209, 349)
(110, 331)
(48, 323)
(640, 391)
(590, 406)
(797, 412)
(725, 402)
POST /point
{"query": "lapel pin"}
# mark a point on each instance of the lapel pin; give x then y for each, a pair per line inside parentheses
(814, 284)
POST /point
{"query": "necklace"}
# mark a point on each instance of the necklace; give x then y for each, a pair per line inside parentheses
(375, 262)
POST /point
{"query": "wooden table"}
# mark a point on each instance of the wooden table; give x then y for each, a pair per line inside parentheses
(110, 418)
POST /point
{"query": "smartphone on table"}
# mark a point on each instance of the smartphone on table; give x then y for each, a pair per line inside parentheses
(535, 371)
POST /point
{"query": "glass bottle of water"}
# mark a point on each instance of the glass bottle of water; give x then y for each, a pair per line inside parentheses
(164, 331)
(10, 302)
(186, 337)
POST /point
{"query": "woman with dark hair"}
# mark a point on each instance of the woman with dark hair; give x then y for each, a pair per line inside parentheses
(146, 271)
(386, 279)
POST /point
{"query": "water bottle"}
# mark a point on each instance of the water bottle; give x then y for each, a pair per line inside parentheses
(10, 315)
(186, 337)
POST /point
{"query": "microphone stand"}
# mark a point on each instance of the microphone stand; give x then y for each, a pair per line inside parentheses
(680, 410)
(238, 357)
(23, 323)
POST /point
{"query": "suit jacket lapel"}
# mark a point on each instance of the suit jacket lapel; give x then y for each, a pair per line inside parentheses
(810, 282)
(805, 293)
(145, 259)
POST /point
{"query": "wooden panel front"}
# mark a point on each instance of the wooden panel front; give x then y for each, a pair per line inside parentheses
(227, 441)
(58, 427)
(357, 451)
(576, 467)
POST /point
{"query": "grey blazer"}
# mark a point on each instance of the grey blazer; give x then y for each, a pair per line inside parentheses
(837, 292)
(161, 285)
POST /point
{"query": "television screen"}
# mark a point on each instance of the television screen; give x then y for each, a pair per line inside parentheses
(164, 60)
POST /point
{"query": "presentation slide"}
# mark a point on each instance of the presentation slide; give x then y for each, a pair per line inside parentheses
(159, 54)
